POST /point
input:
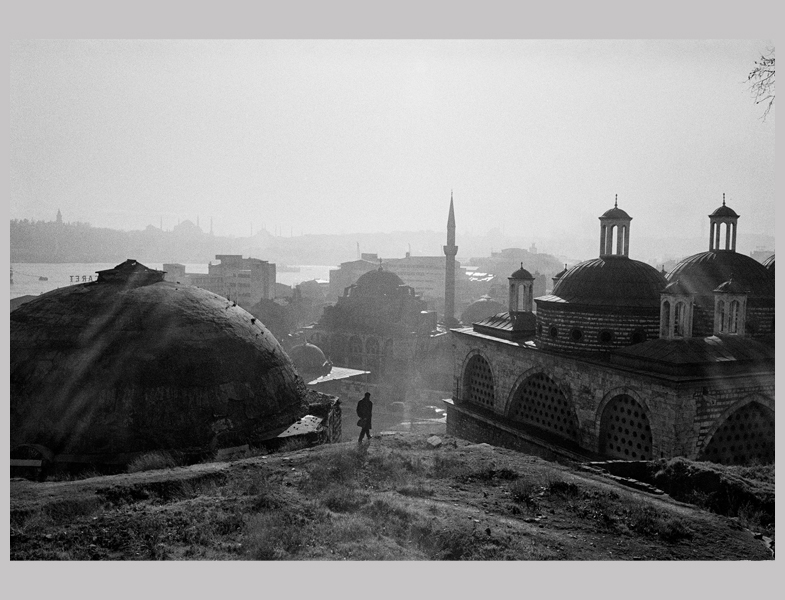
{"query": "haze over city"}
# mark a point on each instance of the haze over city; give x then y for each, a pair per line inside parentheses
(299, 137)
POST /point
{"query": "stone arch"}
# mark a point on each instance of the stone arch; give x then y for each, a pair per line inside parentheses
(564, 388)
(538, 401)
(743, 433)
(624, 426)
(372, 345)
(478, 384)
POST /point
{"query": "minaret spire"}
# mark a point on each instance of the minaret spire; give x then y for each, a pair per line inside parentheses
(450, 250)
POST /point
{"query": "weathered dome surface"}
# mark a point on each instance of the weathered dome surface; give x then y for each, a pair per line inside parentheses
(111, 368)
(611, 281)
(481, 309)
(702, 273)
(377, 283)
(615, 213)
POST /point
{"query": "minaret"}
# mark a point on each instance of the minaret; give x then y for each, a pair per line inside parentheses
(450, 250)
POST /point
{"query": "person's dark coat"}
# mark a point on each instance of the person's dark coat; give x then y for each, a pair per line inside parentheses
(365, 411)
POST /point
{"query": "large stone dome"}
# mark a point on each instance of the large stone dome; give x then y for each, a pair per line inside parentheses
(612, 281)
(131, 363)
(702, 273)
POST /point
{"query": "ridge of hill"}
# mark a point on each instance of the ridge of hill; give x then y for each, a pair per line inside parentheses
(396, 498)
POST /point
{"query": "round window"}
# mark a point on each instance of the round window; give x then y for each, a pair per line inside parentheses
(554, 332)
(576, 335)
(606, 337)
(638, 336)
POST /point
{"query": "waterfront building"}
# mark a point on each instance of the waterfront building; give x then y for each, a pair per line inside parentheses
(242, 280)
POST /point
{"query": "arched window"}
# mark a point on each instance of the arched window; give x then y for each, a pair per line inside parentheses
(478, 385)
(678, 320)
(521, 304)
(665, 317)
(624, 430)
(733, 317)
(721, 310)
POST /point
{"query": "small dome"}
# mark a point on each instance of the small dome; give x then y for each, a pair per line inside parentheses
(702, 273)
(378, 283)
(615, 213)
(481, 309)
(522, 274)
(111, 368)
(724, 211)
(611, 281)
(308, 358)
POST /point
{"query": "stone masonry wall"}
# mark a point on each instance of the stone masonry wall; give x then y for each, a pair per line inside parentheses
(679, 413)
(591, 324)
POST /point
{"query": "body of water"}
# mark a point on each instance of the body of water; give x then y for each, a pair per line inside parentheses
(37, 278)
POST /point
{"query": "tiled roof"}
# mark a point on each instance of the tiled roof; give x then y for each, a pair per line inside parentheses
(713, 349)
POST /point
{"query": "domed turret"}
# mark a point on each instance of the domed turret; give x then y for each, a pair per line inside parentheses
(724, 215)
(130, 363)
(603, 303)
(707, 274)
(615, 221)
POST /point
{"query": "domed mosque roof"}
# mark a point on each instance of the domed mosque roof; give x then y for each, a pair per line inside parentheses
(611, 281)
(702, 273)
(481, 309)
(378, 282)
(309, 358)
(131, 363)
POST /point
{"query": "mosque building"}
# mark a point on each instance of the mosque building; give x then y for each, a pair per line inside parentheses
(624, 362)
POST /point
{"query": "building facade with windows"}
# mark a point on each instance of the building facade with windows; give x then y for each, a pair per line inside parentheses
(242, 280)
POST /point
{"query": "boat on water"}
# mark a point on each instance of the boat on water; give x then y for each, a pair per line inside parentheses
(42, 278)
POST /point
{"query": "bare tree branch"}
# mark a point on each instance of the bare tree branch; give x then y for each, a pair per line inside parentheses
(762, 81)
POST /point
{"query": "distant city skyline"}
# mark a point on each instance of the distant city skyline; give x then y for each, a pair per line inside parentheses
(345, 136)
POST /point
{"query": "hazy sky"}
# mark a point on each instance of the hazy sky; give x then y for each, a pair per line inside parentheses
(319, 136)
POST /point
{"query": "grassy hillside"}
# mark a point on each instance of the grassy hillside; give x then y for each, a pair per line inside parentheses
(395, 499)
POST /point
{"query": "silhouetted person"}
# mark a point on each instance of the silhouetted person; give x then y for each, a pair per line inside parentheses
(364, 411)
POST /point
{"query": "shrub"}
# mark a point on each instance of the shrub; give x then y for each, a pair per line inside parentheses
(524, 492)
(271, 536)
(342, 499)
(151, 461)
(673, 530)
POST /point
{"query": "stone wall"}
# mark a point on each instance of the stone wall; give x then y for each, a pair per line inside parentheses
(682, 413)
(592, 324)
